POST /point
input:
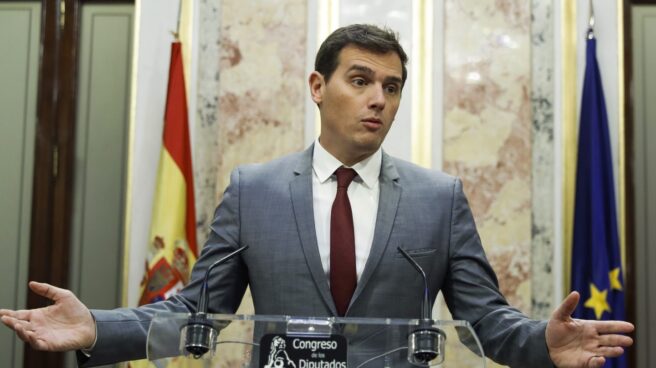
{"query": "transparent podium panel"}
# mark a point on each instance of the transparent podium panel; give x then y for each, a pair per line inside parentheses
(259, 341)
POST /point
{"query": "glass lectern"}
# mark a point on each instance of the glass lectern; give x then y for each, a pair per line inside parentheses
(307, 342)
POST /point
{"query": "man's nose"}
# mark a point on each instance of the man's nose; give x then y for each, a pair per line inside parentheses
(377, 98)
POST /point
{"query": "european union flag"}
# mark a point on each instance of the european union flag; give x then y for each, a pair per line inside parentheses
(596, 260)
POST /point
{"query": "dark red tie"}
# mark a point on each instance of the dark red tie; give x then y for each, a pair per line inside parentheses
(342, 244)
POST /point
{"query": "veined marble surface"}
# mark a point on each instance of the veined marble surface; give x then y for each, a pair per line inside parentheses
(542, 101)
(207, 117)
(250, 91)
(262, 71)
(487, 129)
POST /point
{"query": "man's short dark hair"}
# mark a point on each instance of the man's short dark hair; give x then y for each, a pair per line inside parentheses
(365, 36)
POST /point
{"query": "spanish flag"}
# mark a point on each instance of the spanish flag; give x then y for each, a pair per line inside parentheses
(172, 249)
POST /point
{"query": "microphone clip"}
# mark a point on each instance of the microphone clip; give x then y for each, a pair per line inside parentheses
(199, 335)
(426, 344)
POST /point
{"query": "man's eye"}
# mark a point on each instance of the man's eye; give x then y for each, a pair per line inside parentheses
(359, 82)
(392, 89)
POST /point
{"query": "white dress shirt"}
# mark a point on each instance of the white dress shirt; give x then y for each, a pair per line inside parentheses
(363, 194)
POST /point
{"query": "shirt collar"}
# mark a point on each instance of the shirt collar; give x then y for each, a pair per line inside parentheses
(325, 164)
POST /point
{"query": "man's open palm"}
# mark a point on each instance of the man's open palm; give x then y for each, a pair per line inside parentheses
(65, 325)
(582, 343)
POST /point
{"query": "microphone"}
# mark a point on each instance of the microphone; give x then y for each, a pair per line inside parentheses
(426, 343)
(199, 333)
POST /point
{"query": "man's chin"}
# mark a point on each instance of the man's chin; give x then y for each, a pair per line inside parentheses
(367, 148)
(372, 141)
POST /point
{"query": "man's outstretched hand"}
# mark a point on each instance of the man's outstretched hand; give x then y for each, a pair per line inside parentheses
(582, 343)
(65, 325)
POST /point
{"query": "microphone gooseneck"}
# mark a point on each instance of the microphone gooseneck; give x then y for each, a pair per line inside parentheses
(425, 306)
(426, 343)
(199, 330)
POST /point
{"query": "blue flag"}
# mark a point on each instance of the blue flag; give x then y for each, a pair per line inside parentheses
(596, 259)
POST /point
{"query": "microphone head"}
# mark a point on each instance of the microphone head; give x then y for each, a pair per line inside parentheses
(199, 335)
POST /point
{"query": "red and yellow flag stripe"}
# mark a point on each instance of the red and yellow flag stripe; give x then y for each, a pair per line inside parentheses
(172, 250)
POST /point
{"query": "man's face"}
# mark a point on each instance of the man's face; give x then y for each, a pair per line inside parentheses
(359, 102)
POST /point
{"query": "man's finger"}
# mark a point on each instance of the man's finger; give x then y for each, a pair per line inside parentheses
(9, 321)
(19, 314)
(33, 340)
(22, 331)
(7, 312)
(615, 340)
(609, 352)
(596, 362)
(567, 307)
(613, 327)
(51, 292)
(12, 322)
(38, 344)
(35, 343)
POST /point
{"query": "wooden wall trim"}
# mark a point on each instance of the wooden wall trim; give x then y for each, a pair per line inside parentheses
(629, 185)
(54, 154)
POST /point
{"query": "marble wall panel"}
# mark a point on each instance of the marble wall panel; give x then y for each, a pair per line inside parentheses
(250, 92)
(487, 129)
(543, 149)
(206, 132)
(262, 80)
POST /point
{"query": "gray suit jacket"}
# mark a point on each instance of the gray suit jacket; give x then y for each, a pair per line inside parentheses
(269, 207)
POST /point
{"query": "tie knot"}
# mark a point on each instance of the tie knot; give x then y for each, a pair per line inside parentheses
(344, 177)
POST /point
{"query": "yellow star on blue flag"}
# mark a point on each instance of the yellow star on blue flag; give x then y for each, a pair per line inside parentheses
(614, 279)
(598, 301)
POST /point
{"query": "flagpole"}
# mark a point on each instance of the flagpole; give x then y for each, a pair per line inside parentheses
(569, 125)
(622, 138)
(176, 33)
(591, 22)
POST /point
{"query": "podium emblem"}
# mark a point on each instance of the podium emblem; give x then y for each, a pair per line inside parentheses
(281, 351)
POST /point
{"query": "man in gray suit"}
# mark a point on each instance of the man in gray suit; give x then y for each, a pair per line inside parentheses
(323, 227)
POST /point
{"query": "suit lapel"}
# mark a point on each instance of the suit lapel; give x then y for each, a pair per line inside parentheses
(390, 193)
(301, 194)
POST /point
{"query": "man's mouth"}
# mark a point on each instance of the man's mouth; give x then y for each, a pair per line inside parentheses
(372, 123)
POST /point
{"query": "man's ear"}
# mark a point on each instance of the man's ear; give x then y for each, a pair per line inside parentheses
(317, 84)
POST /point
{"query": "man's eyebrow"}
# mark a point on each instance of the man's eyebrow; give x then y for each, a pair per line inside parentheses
(370, 73)
(393, 80)
(362, 69)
